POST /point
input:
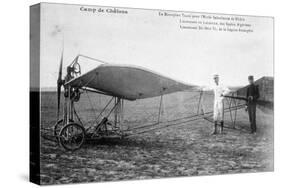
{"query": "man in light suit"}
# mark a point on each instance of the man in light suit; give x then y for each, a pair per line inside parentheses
(219, 92)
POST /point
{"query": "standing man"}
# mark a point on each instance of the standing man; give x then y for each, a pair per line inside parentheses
(252, 96)
(219, 92)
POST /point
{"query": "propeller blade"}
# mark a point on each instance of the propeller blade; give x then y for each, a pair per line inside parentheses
(59, 84)
(60, 68)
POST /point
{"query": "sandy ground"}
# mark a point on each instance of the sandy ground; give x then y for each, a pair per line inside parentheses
(182, 150)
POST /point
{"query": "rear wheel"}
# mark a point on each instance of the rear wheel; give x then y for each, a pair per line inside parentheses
(72, 136)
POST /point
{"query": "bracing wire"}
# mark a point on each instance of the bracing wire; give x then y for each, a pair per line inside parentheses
(174, 122)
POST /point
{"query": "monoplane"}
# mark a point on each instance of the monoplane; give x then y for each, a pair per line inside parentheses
(131, 83)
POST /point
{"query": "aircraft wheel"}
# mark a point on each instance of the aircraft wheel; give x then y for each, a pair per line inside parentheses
(58, 126)
(72, 136)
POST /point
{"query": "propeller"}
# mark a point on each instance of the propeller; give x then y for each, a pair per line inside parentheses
(59, 84)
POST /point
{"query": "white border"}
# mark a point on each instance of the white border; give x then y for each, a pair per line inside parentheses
(14, 93)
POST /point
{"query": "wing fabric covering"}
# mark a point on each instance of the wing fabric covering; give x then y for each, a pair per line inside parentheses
(128, 82)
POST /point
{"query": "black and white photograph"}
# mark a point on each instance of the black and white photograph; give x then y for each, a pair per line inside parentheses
(132, 94)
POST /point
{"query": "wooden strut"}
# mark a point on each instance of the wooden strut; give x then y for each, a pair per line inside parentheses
(200, 104)
(229, 101)
(160, 107)
(114, 107)
(119, 113)
(115, 112)
(235, 112)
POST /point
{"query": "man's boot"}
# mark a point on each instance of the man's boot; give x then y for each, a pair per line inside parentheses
(215, 128)
(221, 127)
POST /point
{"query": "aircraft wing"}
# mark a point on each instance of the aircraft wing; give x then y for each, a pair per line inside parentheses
(128, 82)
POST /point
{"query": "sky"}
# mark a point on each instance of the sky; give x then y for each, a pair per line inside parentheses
(143, 38)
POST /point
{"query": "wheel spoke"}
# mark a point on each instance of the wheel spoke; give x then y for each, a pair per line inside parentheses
(72, 136)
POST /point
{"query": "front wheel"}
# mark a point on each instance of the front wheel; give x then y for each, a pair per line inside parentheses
(57, 128)
(72, 136)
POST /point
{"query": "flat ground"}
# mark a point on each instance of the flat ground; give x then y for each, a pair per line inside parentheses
(187, 149)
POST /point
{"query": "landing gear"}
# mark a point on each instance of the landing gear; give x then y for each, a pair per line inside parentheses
(72, 136)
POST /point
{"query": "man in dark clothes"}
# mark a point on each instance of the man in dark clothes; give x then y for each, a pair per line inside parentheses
(252, 97)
